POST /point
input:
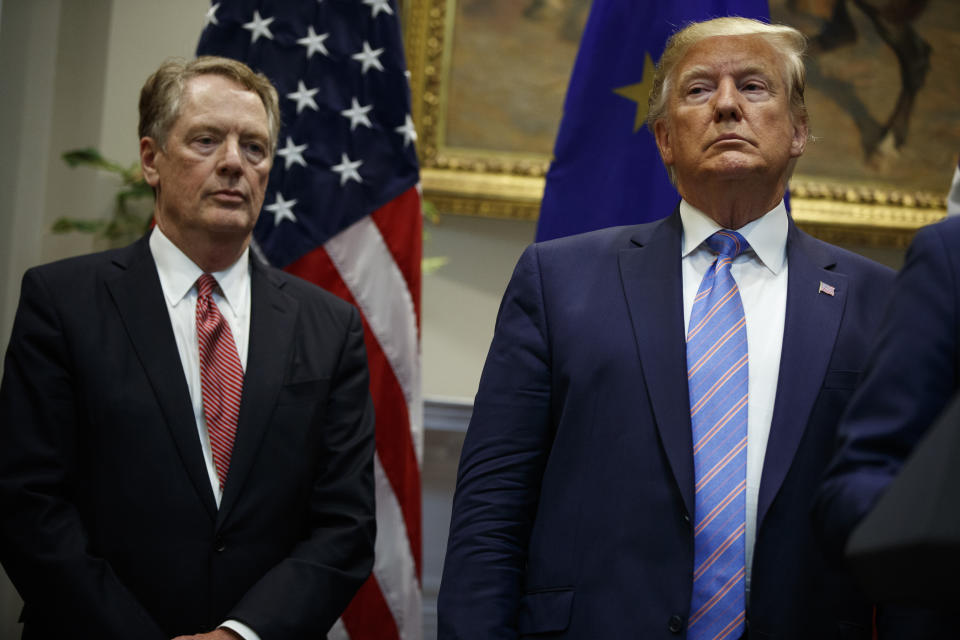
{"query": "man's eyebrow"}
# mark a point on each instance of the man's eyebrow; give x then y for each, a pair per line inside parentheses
(697, 72)
(202, 127)
(693, 73)
(205, 126)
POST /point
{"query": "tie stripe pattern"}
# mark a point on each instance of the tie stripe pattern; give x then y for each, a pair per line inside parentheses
(717, 364)
(221, 376)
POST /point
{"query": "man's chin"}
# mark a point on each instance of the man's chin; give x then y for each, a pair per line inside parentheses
(230, 221)
(734, 165)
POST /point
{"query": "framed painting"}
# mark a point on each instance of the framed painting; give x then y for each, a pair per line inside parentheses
(488, 78)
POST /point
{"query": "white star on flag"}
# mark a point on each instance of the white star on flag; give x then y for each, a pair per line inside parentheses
(376, 6)
(259, 27)
(369, 57)
(347, 169)
(357, 115)
(304, 97)
(314, 42)
(211, 17)
(407, 131)
(292, 154)
(282, 209)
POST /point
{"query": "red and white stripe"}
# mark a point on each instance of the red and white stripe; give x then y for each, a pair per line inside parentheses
(221, 376)
(375, 264)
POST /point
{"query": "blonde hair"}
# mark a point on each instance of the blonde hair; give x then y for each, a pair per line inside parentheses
(161, 94)
(789, 43)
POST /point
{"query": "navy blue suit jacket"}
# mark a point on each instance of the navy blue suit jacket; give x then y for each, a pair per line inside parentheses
(110, 528)
(911, 378)
(576, 483)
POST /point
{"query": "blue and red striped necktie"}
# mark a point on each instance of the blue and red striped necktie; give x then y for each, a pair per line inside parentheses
(221, 376)
(717, 377)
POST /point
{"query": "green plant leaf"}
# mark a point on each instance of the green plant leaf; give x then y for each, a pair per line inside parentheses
(431, 265)
(92, 158)
(66, 225)
(430, 212)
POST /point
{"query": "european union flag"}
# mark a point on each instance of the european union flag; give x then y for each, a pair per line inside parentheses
(606, 169)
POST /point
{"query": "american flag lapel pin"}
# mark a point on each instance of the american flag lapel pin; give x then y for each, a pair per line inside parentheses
(830, 290)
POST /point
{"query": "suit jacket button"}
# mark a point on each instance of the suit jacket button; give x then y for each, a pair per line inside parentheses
(686, 518)
(676, 623)
(219, 545)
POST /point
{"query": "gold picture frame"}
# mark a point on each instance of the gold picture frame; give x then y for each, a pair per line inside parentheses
(509, 183)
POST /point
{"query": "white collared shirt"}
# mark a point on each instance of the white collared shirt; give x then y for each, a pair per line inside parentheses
(178, 279)
(761, 275)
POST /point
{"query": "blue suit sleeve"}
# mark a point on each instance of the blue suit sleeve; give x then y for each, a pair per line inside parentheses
(500, 471)
(910, 380)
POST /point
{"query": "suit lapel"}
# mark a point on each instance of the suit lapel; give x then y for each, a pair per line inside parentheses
(809, 332)
(272, 318)
(652, 284)
(138, 296)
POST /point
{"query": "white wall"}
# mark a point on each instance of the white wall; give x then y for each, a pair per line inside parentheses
(460, 301)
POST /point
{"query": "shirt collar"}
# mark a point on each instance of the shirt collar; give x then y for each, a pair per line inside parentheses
(178, 273)
(767, 235)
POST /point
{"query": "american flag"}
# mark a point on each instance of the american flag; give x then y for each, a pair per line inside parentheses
(342, 210)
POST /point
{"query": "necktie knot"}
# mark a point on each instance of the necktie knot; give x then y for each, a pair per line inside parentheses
(206, 284)
(727, 244)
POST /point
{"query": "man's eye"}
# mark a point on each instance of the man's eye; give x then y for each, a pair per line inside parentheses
(256, 151)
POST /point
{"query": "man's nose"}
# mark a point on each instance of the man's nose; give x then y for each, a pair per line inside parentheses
(231, 160)
(727, 101)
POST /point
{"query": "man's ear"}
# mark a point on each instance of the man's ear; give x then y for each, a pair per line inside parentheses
(799, 142)
(662, 134)
(149, 149)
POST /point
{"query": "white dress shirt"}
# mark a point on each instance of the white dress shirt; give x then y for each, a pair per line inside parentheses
(761, 275)
(178, 279)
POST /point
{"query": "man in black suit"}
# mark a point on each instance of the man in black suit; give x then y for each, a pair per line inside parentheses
(181, 455)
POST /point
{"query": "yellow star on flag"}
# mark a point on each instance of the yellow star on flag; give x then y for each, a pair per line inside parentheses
(639, 92)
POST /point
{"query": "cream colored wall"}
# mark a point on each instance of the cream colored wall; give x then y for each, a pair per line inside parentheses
(460, 301)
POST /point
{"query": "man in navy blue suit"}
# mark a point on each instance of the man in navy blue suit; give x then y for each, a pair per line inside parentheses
(586, 503)
(911, 378)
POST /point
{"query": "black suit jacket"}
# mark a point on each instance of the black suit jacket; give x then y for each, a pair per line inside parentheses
(572, 515)
(110, 528)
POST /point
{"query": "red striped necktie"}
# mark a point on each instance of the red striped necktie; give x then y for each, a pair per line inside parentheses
(717, 377)
(221, 376)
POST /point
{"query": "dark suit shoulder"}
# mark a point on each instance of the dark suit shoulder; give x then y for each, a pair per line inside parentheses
(318, 307)
(600, 240)
(940, 237)
(76, 267)
(845, 261)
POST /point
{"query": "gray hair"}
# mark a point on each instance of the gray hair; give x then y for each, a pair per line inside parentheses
(161, 94)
